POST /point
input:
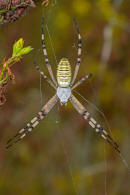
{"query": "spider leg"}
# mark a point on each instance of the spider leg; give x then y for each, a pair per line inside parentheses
(33, 123)
(81, 81)
(46, 56)
(44, 76)
(97, 127)
(79, 53)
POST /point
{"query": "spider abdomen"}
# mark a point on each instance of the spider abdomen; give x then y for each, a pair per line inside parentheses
(64, 73)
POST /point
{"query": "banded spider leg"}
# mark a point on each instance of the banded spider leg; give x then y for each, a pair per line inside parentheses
(34, 122)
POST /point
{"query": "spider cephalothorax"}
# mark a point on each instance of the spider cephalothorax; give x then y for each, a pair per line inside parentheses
(63, 86)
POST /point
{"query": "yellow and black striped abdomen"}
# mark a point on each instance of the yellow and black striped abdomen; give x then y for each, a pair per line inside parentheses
(64, 73)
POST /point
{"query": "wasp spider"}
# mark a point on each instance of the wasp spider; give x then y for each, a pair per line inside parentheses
(63, 86)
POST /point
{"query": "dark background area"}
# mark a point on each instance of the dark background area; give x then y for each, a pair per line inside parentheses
(63, 156)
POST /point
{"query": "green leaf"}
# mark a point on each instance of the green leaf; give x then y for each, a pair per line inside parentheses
(1, 81)
(17, 47)
(19, 50)
(14, 59)
(13, 9)
(3, 11)
(1, 18)
(26, 50)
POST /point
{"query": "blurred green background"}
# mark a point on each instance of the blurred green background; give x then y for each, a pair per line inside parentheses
(63, 156)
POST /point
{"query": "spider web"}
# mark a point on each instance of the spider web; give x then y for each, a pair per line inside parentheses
(107, 124)
(59, 127)
(106, 121)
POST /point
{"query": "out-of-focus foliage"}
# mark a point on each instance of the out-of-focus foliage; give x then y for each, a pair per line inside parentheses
(46, 2)
(11, 10)
(5, 69)
(63, 155)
